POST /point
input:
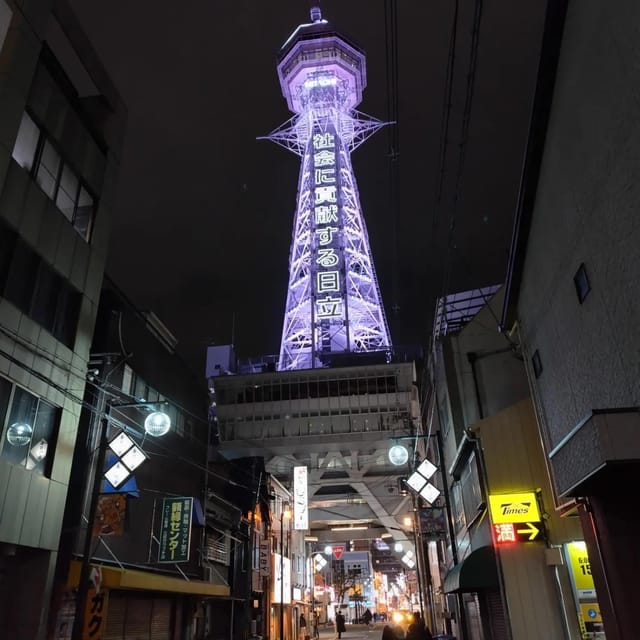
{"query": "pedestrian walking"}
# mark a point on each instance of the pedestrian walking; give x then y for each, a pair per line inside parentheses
(316, 625)
(340, 626)
(303, 626)
(418, 630)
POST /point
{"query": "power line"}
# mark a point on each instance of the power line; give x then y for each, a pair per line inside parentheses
(446, 112)
(464, 138)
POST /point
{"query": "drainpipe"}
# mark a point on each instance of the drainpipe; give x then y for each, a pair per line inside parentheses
(472, 357)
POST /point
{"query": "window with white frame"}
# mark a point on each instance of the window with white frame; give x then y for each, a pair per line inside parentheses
(36, 152)
(29, 428)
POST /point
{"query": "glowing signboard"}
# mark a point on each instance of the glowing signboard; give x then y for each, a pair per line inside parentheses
(584, 590)
(300, 504)
(509, 508)
(580, 567)
(282, 580)
(515, 517)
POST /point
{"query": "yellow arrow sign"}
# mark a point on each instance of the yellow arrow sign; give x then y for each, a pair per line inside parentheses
(531, 529)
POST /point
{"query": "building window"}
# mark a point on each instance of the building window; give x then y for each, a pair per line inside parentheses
(30, 428)
(36, 289)
(581, 283)
(127, 379)
(36, 152)
(24, 150)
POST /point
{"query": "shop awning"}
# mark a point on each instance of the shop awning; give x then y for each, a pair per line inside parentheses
(476, 572)
(116, 578)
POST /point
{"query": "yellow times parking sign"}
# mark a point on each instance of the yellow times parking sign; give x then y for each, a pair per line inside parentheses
(514, 507)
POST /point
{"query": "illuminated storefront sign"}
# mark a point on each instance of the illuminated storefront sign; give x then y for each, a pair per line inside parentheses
(584, 590)
(282, 580)
(580, 569)
(300, 505)
(515, 517)
(514, 507)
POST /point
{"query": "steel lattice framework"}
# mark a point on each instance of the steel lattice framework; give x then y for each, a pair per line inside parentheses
(333, 302)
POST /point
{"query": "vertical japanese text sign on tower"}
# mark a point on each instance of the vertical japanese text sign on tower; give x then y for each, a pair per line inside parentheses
(300, 504)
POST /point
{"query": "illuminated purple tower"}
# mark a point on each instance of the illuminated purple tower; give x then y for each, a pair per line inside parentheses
(333, 302)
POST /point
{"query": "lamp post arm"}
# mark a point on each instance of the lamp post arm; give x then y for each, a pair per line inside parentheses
(83, 580)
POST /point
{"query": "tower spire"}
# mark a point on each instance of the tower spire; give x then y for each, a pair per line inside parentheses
(333, 303)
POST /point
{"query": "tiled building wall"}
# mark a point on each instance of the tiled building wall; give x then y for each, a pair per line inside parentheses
(39, 244)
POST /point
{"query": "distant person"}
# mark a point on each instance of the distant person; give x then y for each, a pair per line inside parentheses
(340, 626)
(367, 617)
(316, 625)
(303, 625)
(418, 630)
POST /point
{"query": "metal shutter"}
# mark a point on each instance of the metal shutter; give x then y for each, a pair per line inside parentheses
(135, 618)
(161, 620)
(496, 617)
(116, 614)
(138, 620)
(474, 622)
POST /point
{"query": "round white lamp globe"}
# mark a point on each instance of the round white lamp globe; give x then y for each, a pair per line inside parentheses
(19, 434)
(398, 455)
(157, 424)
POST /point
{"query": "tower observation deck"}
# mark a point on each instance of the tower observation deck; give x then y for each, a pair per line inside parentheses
(333, 302)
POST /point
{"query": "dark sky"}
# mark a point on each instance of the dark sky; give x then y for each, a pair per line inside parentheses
(204, 211)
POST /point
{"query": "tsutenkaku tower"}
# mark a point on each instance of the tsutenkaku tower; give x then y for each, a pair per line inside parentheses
(333, 302)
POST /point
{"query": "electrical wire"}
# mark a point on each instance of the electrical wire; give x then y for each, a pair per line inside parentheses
(464, 138)
(393, 131)
(446, 112)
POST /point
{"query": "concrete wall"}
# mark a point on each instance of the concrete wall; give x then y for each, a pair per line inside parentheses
(500, 376)
(586, 211)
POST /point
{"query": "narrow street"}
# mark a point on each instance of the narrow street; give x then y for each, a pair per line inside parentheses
(354, 632)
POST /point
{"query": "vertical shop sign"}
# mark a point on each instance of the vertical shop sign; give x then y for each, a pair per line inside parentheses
(95, 614)
(300, 506)
(175, 530)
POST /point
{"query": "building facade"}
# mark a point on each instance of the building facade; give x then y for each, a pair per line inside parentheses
(62, 125)
(506, 549)
(574, 289)
(150, 585)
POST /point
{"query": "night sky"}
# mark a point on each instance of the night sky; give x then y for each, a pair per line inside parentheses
(204, 211)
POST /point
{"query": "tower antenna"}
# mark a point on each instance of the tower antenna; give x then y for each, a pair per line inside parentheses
(315, 11)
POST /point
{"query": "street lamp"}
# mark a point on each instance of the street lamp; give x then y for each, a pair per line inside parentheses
(131, 456)
(398, 455)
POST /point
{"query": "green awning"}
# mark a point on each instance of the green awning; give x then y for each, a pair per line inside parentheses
(476, 572)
